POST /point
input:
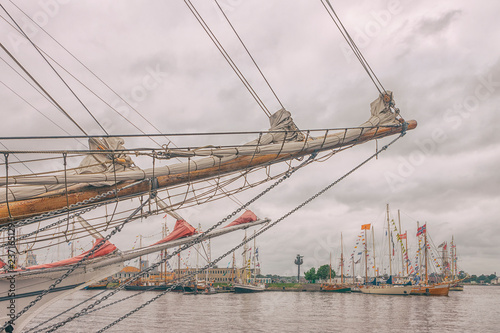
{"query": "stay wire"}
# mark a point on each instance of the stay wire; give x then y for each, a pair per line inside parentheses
(92, 73)
(232, 197)
(226, 56)
(354, 47)
(79, 263)
(55, 71)
(249, 54)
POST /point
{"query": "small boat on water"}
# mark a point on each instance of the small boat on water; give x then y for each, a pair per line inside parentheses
(336, 288)
(241, 288)
(456, 287)
(431, 290)
(387, 290)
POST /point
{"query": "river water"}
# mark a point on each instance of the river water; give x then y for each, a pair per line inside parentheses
(476, 309)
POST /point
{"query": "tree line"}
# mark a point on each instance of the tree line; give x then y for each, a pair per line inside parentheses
(322, 273)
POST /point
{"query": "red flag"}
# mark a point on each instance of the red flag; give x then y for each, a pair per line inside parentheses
(402, 236)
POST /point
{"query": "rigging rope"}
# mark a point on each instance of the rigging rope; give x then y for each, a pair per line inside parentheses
(226, 56)
(81, 262)
(248, 52)
(55, 71)
(353, 46)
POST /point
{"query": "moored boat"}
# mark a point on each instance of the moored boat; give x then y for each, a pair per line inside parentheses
(335, 288)
(431, 290)
(456, 287)
(387, 290)
(240, 288)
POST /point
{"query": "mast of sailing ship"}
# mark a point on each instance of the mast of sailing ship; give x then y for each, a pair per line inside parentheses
(254, 259)
(341, 261)
(366, 259)
(389, 241)
(330, 268)
(373, 244)
(353, 275)
(406, 255)
(425, 258)
(401, 243)
(453, 259)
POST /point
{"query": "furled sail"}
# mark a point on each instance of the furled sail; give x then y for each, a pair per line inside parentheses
(105, 249)
(270, 148)
(247, 216)
(181, 229)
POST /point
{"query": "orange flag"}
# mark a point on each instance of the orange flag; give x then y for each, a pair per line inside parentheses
(365, 227)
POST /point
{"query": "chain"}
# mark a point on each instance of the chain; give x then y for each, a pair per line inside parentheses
(211, 264)
(65, 311)
(80, 263)
(196, 240)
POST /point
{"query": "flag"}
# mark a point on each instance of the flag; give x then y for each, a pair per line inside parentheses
(421, 230)
(365, 227)
(402, 236)
(444, 248)
(441, 245)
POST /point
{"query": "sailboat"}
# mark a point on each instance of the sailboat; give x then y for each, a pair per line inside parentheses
(455, 284)
(425, 288)
(247, 283)
(388, 288)
(333, 287)
(162, 179)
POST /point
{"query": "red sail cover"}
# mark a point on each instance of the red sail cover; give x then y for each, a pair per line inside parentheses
(181, 229)
(106, 248)
(247, 216)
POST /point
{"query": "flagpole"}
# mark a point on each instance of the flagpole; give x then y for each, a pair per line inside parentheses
(341, 260)
(366, 260)
(407, 258)
(425, 243)
(373, 243)
(401, 243)
(419, 255)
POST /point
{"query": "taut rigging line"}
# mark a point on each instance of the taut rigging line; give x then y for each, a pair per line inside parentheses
(226, 56)
(354, 47)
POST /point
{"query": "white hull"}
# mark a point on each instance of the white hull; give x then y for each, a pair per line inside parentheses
(248, 288)
(30, 284)
(386, 290)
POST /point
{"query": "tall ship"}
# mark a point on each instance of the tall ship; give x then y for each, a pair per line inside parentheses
(97, 182)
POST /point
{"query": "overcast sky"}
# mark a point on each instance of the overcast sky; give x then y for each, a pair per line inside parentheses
(440, 60)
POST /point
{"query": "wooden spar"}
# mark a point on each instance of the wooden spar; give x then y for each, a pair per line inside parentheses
(18, 210)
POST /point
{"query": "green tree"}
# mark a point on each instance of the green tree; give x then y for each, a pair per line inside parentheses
(481, 279)
(310, 275)
(324, 272)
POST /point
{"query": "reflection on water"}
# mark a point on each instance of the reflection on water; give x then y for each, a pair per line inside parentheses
(474, 310)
